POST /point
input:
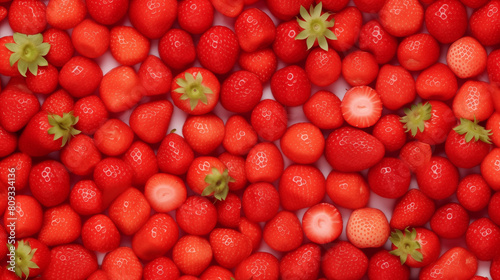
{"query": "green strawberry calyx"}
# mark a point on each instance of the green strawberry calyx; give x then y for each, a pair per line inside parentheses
(24, 255)
(473, 130)
(217, 184)
(316, 27)
(193, 89)
(416, 117)
(406, 244)
(28, 52)
(62, 127)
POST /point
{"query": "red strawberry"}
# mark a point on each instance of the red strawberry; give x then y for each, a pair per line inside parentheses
(64, 14)
(142, 160)
(390, 178)
(260, 202)
(348, 190)
(301, 186)
(264, 163)
(323, 67)
(241, 92)
(155, 76)
(174, 154)
(361, 106)
(255, 30)
(85, 198)
(107, 13)
(152, 20)
(473, 101)
(127, 45)
(450, 221)
(27, 215)
(493, 206)
(236, 169)
(176, 48)
(323, 110)
(303, 143)
(490, 169)
(380, 43)
(112, 176)
(383, 265)
(196, 216)
(58, 103)
(417, 52)
(401, 19)
(45, 82)
(100, 234)
(239, 136)
(49, 183)
(122, 263)
(437, 83)
(229, 246)
(32, 257)
(456, 263)
(333, 5)
(484, 23)
(474, 3)
(473, 193)
(269, 119)
(27, 16)
(150, 120)
(192, 254)
(251, 230)
(344, 261)
(367, 228)
(285, 46)
(3, 13)
(258, 266)
(290, 86)
(322, 223)
(287, 9)
(390, 131)
(61, 225)
(416, 248)
(218, 49)
(61, 47)
(208, 176)
(17, 107)
(438, 179)
(71, 261)
(195, 16)
(262, 63)
(81, 155)
(446, 20)
(80, 76)
(466, 57)
(91, 113)
(396, 86)
(203, 133)
(90, 38)
(347, 26)
(156, 237)
(495, 268)
(493, 124)
(216, 272)
(283, 232)
(129, 211)
(359, 68)
(121, 89)
(369, 6)
(114, 137)
(228, 8)
(482, 238)
(302, 263)
(18, 163)
(413, 209)
(416, 154)
(161, 268)
(165, 192)
(9, 140)
(5, 67)
(493, 66)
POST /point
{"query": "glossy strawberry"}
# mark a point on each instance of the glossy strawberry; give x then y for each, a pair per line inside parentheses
(129, 221)
(344, 261)
(269, 119)
(437, 83)
(374, 38)
(262, 63)
(100, 234)
(418, 51)
(303, 143)
(287, 9)
(390, 131)
(401, 19)
(196, 216)
(413, 209)
(484, 23)
(203, 133)
(90, 38)
(152, 22)
(80, 76)
(323, 110)
(61, 47)
(416, 247)
(113, 264)
(396, 86)
(91, 113)
(85, 198)
(438, 179)
(229, 247)
(155, 76)
(481, 237)
(466, 57)
(251, 230)
(323, 67)
(301, 186)
(150, 120)
(383, 265)
(322, 223)
(18, 163)
(9, 140)
(61, 225)
(73, 261)
(27, 16)
(456, 263)
(389, 178)
(473, 192)
(260, 202)
(359, 68)
(450, 221)
(192, 261)
(489, 168)
(259, 265)
(58, 103)
(218, 49)
(49, 183)
(112, 176)
(236, 169)
(446, 20)
(142, 160)
(176, 48)
(302, 263)
(285, 46)
(347, 26)
(283, 232)
(348, 190)
(11, 101)
(195, 16)
(161, 268)
(255, 30)
(239, 136)
(473, 101)
(127, 45)
(361, 106)
(31, 257)
(156, 237)
(290, 86)
(120, 89)
(264, 163)
(208, 176)
(81, 155)
(45, 81)
(28, 215)
(174, 154)
(113, 137)
(65, 14)
(241, 92)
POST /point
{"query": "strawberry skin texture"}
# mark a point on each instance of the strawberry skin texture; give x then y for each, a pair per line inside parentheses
(437, 83)
(374, 38)
(286, 47)
(323, 110)
(9, 140)
(91, 113)
(100, 234)
(418, 51)
(259, 265)
(203, 133)
(162, 268)
(287, 9)
(199, 169)
(164, 192)
(450, 221)
(269, 119)
(215, 271)
(126, 220)
(283, 232)
(236, 170)
(490, 170)
(49, 182)
(389, 178)
(85, 198)
(255, 30)
(58, 103)
(390, 131)
(174, 154)
(123, 264)
(128, 46)
(30, 222)
(323, 67)
(302, 263)
(484, 23)
(260, 202)
(229, 246)
(152, 21)
(262, 63)
(176, 48)
(5, 68)
(121, 89)
(112, 176)
(473, 101)
(61, 225)
(195, 16)
(192, 261)
(239, 136)
(81, 155)
(218, 49)
(348, 190)
(264, 163)
(107, 13)
(465, 154)
(80, 76)
(290, 86)
(344, 261)
(113, 137)
(407, 21)
(301, 186)
(466, 57)
(156, 237)
(90, 39)
(482, 238)
(27, 16)
(347, 26)
(413, 209)
(61, 47)
(367, 228)
(446, 20)
(438, 179)
(241, 92)
(45, 81)
(383, 265)
(303, 143)
(142, 160)
(155, 76)
(71, 261)
(35, 140)
(64, 14)
(456, 263)
(150, 121)
(13, 118)
(473, 192)
(430, 247)
(196, 216)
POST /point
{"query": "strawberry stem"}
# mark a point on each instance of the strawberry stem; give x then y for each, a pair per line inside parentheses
(416, 117)
(406, 244)
(473, 130)
(217, 184)
(24, 255)
(193, 89)
(63, 126)
(315, 27)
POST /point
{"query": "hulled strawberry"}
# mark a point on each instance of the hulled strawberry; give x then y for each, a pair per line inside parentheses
(322, 223)
(361, 106)
(165, 192)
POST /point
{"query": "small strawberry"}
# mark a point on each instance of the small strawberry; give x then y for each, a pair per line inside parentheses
(359, 68)
(17, 107)
(446, 20)
(414, 209)
(473, 101)
(20, 163)
(493, 206)
(417, 247)
(142, 160)
(195, 16)
(49, 183)
(347, 26)
(241, 92)
(303, 143)
(156, 237)
(302, 263)
(348, 190)
(239, 136)
(482, 238)
(61, 47)
(344, 261)
(484, 23)
(127, 45)
(383, 265)
(283, 233)
(208, 176)
(416, 154)
(437, 83)
(402, 19)
(192, 254)
(91, 39)
(155, 76)
(490, 169)
(229, 246)
(255, 30)
(374, 38)
(438, 179)
(258, 266)
(196, 216)
(81, 155)
(165, 192)
(390, 131)
(85, 198)
(262, 63)
(251, 230)
(61, 225)
(396, 86)
(473, 192)
(269, 119)
(71, 261)
(361, 106)
(150, 120)
(229, 8)
(58, 103)
(80, 76)
(9, 140)
(27, 16)
(286, 47)
(229, 211)
(260, 202)
(236, 169)
(367, 228)
(301, 186)
(32, 257)
(121, 89)
(322, 223)
(323, 110)
(112, 176)
(323, 67)
(107, 13)
(100, 234)
(218, 49)
(456, 263)
(176, 48)
(264, 163)
(122, 263)
(129, 211)
(450, 221)
(290, 86)
(113, 137)
(91, 113)
(64, 14)
(389, 178)
(203, 133)
(174, 154)
(152, 22)
(418, 51)
(287, 9)
(45, 80)
(161, 268)
(28, 216)
(215, 271)
(466, 57)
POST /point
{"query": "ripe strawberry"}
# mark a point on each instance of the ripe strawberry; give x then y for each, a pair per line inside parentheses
(416, 248)
(303, 143)
(27, 216)
(301, 186)
(490, 169)
(91, 113)
(416, 154)
(260, 202)
(350, 149)
(64, 14)
(414, 209)
(155, 76)
(493, 206)
(61, 225)
(113, 137)
(127, 45)
(71, 261)
(493, 66)
(262, 63)
(283, 233)
(49, 182)
(450, 221)
(396, 86)
(264, 163)
(466, 57)
(218, 49)
(9, 141)
(100, 234)
(5, 68)
(27, 16)
(418, 51)
(359, 68)
(107, 13)
(241, 91)
(174, 154)
(152, 22)
(176, 48)
(195, 91)
(192, 254)
(446, 20)
(437, 83)
(89, 38)
(208, 176)
(367, 228)
(258, 266)
(287, 9)
(98, 275)
(85, 198)
(438, 179)
(161, 268)
(45, 82)
(156, 237)
(473, 193)
(482, 238)
(58, 103)
(374, 38)
(390, 131)
(32, 257)
(474, 3)
(383, 265)
(122, 263)
(112, 176)
(251, 230)
(495, 268)
(80, 76)
(81, 155)
(269, 119)
(120, 89)
(203, 133)
(150, 120)
(286, 47)
(322, 223)
(255, 30)
(493, 125)
(389, 178)
(165, 192)
(195, 16)
(401, 19)
(484, 23)
(236, 169)
(302, 263)
(61, 47)
(344, 261)
(196, 216)
(323, 67)
(290, 86)
(215, 271)
(348, 190)
(229, 211)
(129, 211)
(3, 13)
(456, 263)
(229, 247)
(347, 26)
(333, 5)
(21, 162)
(142, 160)
(473, 101)
(17, 107)
(323, 110)
(228, 8)
(239, 136)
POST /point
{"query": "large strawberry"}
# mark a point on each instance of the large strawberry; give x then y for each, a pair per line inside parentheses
(401, 19)
(218, 49)
(122, 263)
(301, 263)
(17, 107)
(450, 221)
(152, 21)
(456, 263)
(161, 268)
(285, 46)
(63, 14)
(156, 237)
(466, 57)
(484, 23)
(71, 261)
(150, 120)
(413, 209)
(446, 20)
(27, 16)
(31, 257)
(367, 228)
(165, 192)
(348, 23)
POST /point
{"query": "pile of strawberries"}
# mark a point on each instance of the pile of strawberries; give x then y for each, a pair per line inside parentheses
(249, 186)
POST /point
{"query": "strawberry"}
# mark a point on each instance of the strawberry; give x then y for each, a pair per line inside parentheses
(64, 14)
(90, 39)
(152, 21)
(161, 268)
(27, 214)
(155, 76)
(260, 202)
(216, 272)
(473, 101)
(301, 186)
(389, 178)
(369, 6)
(347, 26)
(413, 209)
(195, 91)
(323, 110)
(285, 46)
(150, 120)
(473, 193)
(129, 222)
(174, 154)
(287, 9)
(61, 225)
(493, 66)
(61, 47)
(107, 13)
(446, 20)
(228, 8)
(203, 133)
(255, 30)
(438, 179)
(81, 155)
(80, 76)
(264, 163)
(229, 246)
(91, 113)
(450, 221)
(31, 257)
(474, 3)
(20, 164)
(71, 261)
(176, 48)
(239, 136)
(262, 63)
(113, 137)
(361, 106)
(142, 160)
(58, 103)
(258, 266)
(3, 13)
(359, 68)
(5, 68)
(49, 182)
(493, 206)
(416, 248)
(495, 268)
(416, 154)
(303, 143)
(401, 19)
(344, 261)
(196, 215)
(85, 198)
(251, 230)
(120, 89)
(229, 211)
(350, 149)
(122, 263)
(482, 237)
(165, 192)
(396, 86)
(374, 38)
(383, 265)
(156, 237)
(127, 45)
(112, 176)
(418, 51)
(484, 23)
(437, 83)
(323, 67)
(390, 131)
(236, 169)
(195, 16)
(302, 263)
(493, 124)
(27, 16)
(466, 57)
(241, 92)
(9, 140)
(269, 119)
(333, 5)
(192, 254)
(283, 233)
(208, 176)
(367, 228)
(490, 169)
(348, 190)
(322, 223)
(45, 81)
(218, 49)
(17, 107)
(100, 234)
(456, 263)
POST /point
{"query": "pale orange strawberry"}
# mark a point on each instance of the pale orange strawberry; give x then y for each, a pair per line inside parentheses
(367, 228)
